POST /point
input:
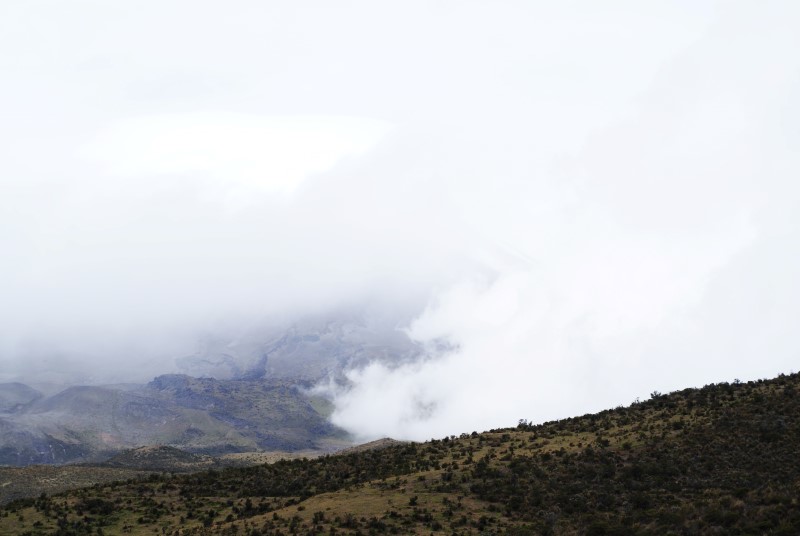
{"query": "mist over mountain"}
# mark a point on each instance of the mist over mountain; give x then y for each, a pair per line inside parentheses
(256, 393)
(434, 215)
(311, 349)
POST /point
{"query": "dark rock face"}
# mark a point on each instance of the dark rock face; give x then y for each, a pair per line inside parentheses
(273, 413)
(169, 381)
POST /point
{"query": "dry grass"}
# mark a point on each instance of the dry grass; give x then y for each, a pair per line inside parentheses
(717, 460)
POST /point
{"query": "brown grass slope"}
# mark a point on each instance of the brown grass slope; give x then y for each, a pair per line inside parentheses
(717, 460)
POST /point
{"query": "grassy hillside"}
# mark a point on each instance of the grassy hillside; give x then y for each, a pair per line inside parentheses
(138, 463)
(718, 460)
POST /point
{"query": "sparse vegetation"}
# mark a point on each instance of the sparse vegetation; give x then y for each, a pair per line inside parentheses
(717, 460)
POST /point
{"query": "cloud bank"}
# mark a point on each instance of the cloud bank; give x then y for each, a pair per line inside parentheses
(654, 255)
(587, 202)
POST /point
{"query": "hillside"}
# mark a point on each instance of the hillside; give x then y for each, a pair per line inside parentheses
(717, 460)
(247, 395)
(161, 458)
(138, 463)
(201, 415)
(15, 397)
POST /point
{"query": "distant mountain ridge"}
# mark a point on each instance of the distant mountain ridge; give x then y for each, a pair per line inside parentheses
(200, 415)
(247, 393)
(17, 396)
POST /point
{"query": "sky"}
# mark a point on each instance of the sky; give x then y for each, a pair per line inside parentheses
(589, 201)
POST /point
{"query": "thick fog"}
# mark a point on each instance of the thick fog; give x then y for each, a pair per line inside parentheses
(588, 201)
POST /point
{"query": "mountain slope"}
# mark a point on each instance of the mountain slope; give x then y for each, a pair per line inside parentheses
(88, 424)
(161, 458)
(16, 397)
(250, 397)
(717, 460)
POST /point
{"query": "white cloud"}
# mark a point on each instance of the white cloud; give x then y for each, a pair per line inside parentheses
(263, 153)
(653, 258)
(595, 200)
